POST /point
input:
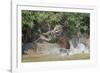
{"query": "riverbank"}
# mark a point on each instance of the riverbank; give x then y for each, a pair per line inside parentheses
(40, 58)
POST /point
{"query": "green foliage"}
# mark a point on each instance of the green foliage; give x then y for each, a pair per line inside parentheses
(42, 21)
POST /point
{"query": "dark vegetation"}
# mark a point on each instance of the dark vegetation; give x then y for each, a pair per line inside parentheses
(34, 23)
